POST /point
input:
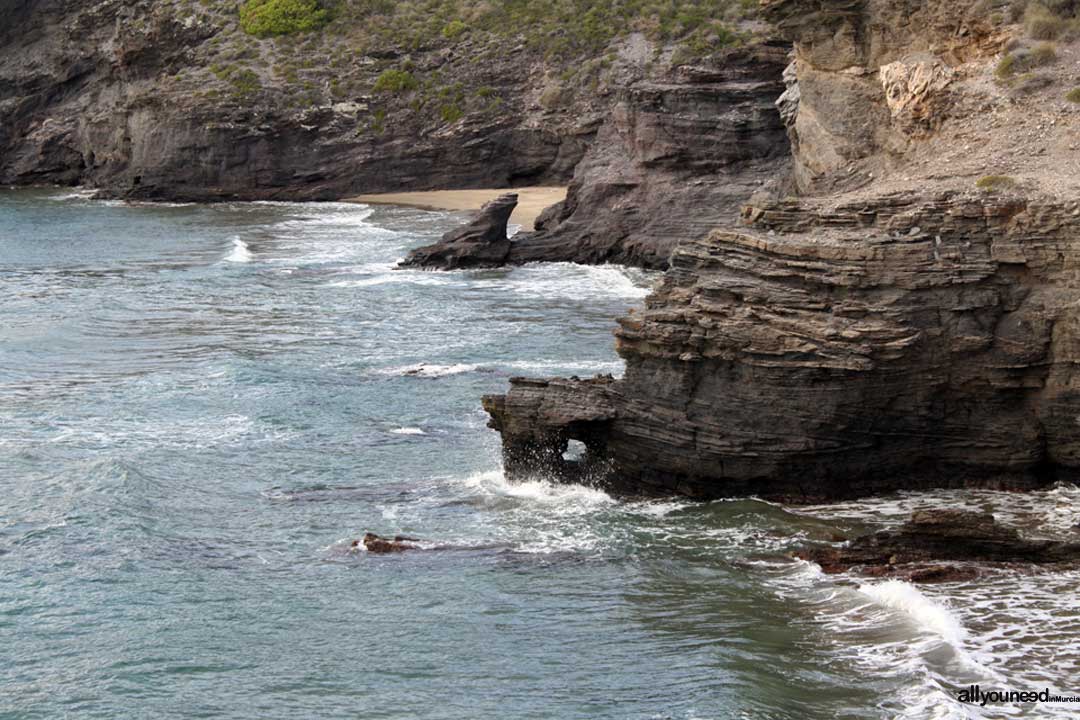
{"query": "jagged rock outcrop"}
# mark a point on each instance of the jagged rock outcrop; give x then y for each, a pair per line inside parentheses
(481, 243)
(672, 161)
(935, 545)
(835, 351)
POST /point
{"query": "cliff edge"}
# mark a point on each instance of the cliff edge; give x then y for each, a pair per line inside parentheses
(907, 320)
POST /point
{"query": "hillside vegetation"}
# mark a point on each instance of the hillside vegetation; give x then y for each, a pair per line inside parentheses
(437, 60)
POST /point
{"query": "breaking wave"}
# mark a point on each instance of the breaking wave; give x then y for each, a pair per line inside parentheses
(240, 252)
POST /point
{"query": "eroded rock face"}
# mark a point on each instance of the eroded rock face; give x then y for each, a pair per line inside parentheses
(915, 91)
(871, 75)
(830, 351)
(134, 98)
(876, 333)
(671, 162)
(928, 546)
(481, 243)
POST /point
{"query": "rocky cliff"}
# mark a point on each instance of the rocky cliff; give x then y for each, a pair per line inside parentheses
(178, 100)
(675, 157)
(673, 160)
(909, 321)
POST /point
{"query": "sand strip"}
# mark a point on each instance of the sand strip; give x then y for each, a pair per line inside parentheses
(531, 201)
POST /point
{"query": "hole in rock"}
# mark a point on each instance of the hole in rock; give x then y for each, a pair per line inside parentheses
(575, 450)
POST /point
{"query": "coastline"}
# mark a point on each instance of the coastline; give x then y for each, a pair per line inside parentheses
(531, 201)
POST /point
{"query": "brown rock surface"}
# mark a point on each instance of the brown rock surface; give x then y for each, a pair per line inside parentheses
(926, 548)
(834, 350)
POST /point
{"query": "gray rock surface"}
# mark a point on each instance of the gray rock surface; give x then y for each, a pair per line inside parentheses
(481, 243)
(828, 351)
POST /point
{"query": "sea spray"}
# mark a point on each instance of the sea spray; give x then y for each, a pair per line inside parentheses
(240, 252)
(923, 612)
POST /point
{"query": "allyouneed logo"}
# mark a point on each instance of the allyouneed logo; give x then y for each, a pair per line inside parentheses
(975, 694)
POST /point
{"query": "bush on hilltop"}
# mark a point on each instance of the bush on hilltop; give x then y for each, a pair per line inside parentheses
(267, 18)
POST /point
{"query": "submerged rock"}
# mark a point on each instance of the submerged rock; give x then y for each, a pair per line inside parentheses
(481, 243)
(926, 547)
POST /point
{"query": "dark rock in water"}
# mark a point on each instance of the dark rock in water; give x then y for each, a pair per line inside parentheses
(481, 243)
(380, 545)
(923, 549)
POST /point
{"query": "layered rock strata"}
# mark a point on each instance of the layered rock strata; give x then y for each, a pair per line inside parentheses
(830, 351)
(672, 160)
(158, 100)
(892, 327)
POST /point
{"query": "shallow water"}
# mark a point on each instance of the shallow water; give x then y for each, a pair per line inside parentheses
(201, 406)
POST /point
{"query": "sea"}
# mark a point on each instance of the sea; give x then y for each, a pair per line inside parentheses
(202, 406)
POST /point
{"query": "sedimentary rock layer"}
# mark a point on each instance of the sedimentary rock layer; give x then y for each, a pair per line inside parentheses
(672, 161)
(833, 351)
(161, 101)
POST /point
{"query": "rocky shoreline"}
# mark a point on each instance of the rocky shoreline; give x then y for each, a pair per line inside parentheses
(842, 314)
(944, 545)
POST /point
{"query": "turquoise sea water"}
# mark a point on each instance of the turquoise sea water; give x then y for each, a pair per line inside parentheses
(201, 406)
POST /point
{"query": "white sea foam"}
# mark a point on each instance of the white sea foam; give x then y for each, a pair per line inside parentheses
(926, 614)
(568, 280)
(539, 516)
(76, 194)
(890, 629)
(432, 371)
(386, 273)
(576, 499)
(240, 252)
(408, 431)
(1054, 511)
(614, 367)
(435, 370)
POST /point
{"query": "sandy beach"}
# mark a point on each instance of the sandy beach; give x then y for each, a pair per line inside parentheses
(531, 200)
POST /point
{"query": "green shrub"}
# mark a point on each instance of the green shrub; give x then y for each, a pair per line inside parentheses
(1042, 24)
(266, 18)
(454, 29)
(1073, 95)
(1042, 54)
(395, 81)
(451, 113)
(993, 183)
(1032, 82)
(1006, 67)
(1022, 60)
(378, 121)
(245, 82)
(552, 97)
